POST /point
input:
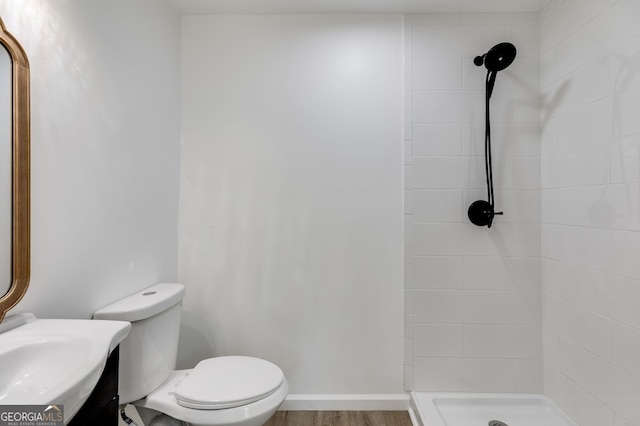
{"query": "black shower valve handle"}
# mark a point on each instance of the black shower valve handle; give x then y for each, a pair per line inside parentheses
(481, 213)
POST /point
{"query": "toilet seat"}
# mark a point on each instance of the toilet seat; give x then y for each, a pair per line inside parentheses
(227, 382)
(163, 400)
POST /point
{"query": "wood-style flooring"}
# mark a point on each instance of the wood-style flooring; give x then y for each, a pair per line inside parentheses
(340, 418)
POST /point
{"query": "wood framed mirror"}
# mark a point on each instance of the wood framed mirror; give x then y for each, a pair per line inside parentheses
(15, 139)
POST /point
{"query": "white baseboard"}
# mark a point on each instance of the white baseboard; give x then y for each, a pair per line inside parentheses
(350, 402)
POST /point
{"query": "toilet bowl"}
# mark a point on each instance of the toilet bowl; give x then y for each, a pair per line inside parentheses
(229, 390)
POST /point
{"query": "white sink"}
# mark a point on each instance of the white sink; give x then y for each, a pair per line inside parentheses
(54, 361)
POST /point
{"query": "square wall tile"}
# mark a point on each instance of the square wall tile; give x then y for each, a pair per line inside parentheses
(589, 247)
(626, 348)
(438, 340)
(437, 139)
(456, 40)
(437, 272)
(436, 73)
(464, 239)
(502, 273)
(464, 375)
(437, 206)
(502, 341)
(529, 376)
(625, 249)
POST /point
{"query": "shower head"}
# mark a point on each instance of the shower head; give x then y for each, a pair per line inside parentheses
(498, 57)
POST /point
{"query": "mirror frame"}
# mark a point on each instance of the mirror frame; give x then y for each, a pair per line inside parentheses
(21, 141)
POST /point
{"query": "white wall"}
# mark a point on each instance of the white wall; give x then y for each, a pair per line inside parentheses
(105, 148)
(591, 209)
(473, 315)
(291, 196)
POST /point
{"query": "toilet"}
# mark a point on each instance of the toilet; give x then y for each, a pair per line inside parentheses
(227, 390)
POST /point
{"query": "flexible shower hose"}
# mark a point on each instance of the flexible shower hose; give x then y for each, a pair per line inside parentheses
(491, 79)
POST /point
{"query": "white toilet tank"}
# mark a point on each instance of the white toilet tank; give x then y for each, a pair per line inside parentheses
(148, 354)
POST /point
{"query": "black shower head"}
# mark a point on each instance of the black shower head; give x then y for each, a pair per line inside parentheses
(498, 57)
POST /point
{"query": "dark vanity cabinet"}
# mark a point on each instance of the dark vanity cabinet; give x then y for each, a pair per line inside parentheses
(101, 409)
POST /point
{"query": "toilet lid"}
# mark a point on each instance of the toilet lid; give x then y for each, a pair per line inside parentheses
(228, 381)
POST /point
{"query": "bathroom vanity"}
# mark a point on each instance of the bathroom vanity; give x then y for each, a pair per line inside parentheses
(101, 409)
(62, 362)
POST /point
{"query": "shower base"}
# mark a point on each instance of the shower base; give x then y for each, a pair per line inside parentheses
(463, 409)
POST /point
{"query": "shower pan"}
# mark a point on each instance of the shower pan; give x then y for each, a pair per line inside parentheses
(498, 58)
(465, 409)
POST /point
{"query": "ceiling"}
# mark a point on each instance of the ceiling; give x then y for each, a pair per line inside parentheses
(208, 7)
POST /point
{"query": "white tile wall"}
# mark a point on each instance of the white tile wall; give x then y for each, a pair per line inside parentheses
(473, 294)
(626, 348)
(438, 340)
(589, 247)
(502, 273)
(590, 173)
(448, 374)
(435, 272)
(496, 341)
(510, 139)
(437, 205)
(436, 139)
